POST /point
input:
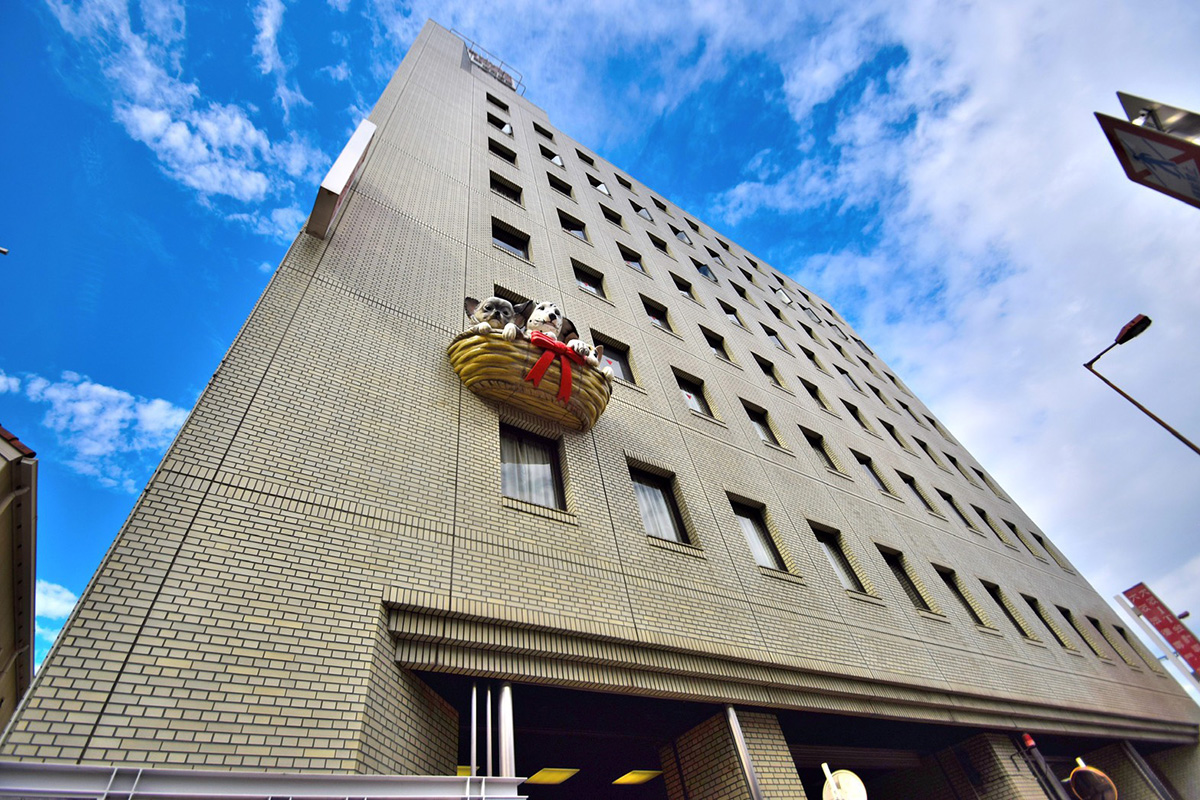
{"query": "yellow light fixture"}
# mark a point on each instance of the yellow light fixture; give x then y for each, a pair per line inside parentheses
(550, 775)
(463, 772)
(637, 776)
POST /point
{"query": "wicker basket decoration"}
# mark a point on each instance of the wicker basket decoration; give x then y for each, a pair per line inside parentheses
(497, 369)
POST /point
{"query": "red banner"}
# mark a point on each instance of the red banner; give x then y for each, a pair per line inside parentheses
(1166, 623)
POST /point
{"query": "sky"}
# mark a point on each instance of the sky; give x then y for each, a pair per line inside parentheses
(931, 168)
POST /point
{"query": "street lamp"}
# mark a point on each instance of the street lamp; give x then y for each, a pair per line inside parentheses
(1132, 329)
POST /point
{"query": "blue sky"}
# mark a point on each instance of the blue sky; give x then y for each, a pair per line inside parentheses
(931, 168)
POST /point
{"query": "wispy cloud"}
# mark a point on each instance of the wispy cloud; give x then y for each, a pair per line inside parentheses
(9, 383)
(268, 20)
(52, 601)
(105, 433)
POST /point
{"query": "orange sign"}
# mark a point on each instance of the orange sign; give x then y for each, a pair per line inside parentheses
(1166, 623)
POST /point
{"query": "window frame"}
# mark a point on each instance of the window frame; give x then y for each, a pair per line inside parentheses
(549, 446)
(666, 487)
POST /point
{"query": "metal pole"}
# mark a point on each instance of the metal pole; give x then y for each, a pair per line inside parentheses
(1088, 366)
(508, 756)
(1162, 643)
(489, 730)
(474, 729)
(743, 753)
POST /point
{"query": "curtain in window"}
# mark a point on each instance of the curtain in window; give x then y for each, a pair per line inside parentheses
(527, 471)
(656, 513)
(760, 546)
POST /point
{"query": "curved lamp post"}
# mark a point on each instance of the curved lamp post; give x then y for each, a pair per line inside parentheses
(1132, 329)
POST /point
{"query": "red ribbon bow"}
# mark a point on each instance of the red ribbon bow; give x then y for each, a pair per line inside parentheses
(553, 347)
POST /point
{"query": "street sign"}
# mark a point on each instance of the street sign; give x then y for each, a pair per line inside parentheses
(1166, 623)
(1159, 146)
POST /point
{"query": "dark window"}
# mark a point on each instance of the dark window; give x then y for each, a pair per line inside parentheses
(878, 394)
(1002, 601)
(927, 451)
(588, 279)
(703, 269)
(752, 262)
(641, 211)
(724, 246)
(899, 567)
(958, 512)
(811, 356)
(762, 424)
(768, 369)
(933, 423)
(991, 523)
(573, 226)
(911, 483)
(988, 481)
(863, 346)
(585, 158)
(842, 334)
(776, 312)
(505, 188)
(529, 468)
(870, 368)
(550, 155)
(497, 102)
(810, 333)
(503, 152)
(912, 414)
(624, 183)
(811, 314)
(746, 274)
(730, 314)
(683, 286)
(500, 124)
(831, 543)
(754, 527)
(815, 394)
(680, 235)
(895, 434)
(542, 131)
(1057, 558)
(693, 395)
(657, 314)
(716, 344)
(598, 185)
(854, 412)
(661, 206)
(849, 380)
(692, 225)
(612, 216)
(954, 584)
(631, 258)
(1083, 634)
(715, 256)
(510, 239)
(741, 291)
(954, 462)
(1047, 623)
(559, 185)
(817, 442)
(872, 474)
(658, 243)
(774, 337)
(656, 502)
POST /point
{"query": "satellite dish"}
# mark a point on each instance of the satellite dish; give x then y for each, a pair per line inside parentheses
(842, 784)
(1089, 783)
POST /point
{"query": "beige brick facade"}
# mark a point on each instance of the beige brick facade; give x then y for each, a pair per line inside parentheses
(330, 518)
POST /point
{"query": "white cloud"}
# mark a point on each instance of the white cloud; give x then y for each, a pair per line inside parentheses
(46, 634)
(105, 433)
(9, 383)
(338, 73)
(281, 224)
(268, 19)
(339, 5)
(52, 601)
(266, 266)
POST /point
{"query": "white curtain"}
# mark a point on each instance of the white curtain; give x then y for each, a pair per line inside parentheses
(527, 471)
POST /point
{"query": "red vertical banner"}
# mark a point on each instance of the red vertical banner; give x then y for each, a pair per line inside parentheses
(1166, 623)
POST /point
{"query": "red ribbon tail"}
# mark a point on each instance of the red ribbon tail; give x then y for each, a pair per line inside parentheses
(538, 371)
(564, 387)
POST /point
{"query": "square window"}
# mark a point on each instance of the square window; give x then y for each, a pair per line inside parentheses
(588, 279)
(683, 286)
(615, 357)
(815, 394)
(768, 369)
(510, 239)
(612, 216)
(585, 158)
(559, 185)
(529, 468)
(572, 226)
(497, 102)
(762, 424)
(657, 314)
(641, 211)
(730, 313)
(835, 553)
(899, 567)
(661, 206)
(550, 155)
(500, 125)
(658, 243)
(505, 188)
(631, 258)
(754, 527)
(680, 235)
(624, 183)
(693, 395)
(501, 151)
(716, 344)
(543, 132)
(703, 269)
(656, 502)
(598, 185)
(817, 442)
(868, 466)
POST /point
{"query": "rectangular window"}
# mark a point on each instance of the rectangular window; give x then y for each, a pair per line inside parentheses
(683, 286)
(991, 523)
(841, 334)
(841, 352)
(895, 434)
(815, 394)
(775, 312)
(624, 183)
(703, 269)
(911, 483)
(715, 256)
(988, 482)
(572, 226)
(849, 380)
(1052, 553)
(585, 158)
(641, 211)
(612, 216)
(810, 333)
(598, 185)
(1020, 536)
(716, 343)
(1136, 646)
(497, 102)
(550, 156)
(867, 364)
(896, 381)
(774, 337)
(500, 125)
(730, 314)
(680, 235)
(1092, 644)
(768, 369)
(631, 258)
(811, 356)
(741, 291)
(543, 132)
(746, 274)
(927, 451)
(661, 206)
(956, 587)
(963, 470)
(505, 188)
(937, 426)
(588, 279)
(762, 424)
(752, 262)
(529, 468)
(817, 442)
(1009, 611)
(863, 346)
(831, 543)
(1113, 641)
(503, 152)
(872, 474)
(950, 501)
(1047, 622)
(615, 357)
(724, 246)
(510, 239)
(693, 395)
(658, 243)
(854, 412)
(656, 502)
(912, 414)
(812, 315)
(766, 554)
(561, 186)
(880, 396)
(692, 225)
(657, 314)
(899, 567)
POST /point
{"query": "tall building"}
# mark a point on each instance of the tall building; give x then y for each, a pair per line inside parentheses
(765, 555)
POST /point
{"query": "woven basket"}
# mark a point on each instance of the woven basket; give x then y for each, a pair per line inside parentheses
(495, 368)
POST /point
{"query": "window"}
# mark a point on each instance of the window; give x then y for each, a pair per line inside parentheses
(1047, 622)
(1092, 644)
(867, 364)
(559, 185)
(497, 102)
(715, 256)
(692, 225)
(815, 394)
(752, 262)
(703, 269)
(641, 211)
(730, 313)
(841, 352)
(529, 468)
(762, 546)
(842, 334)
(991, 523)
(811, 356)
(988, 482)
(624, 183)
(956, 587)
(863, 346)
(895, 434)
(1058, 559)
(868, 466)
(550, 155)
(762, 424)
(896, 382)
(598, 185)
(950, 501)
(631, 258)
(510, 239)
(543, 132)
(746, 275)
(777, 314)
(1113, 641)
(500, 125)
(927, 451)
(656, 313)
(817, 442)
(612, 216)
(724, 246)
(954, 462)
(588, 279)
(878, 394)
(904, 576)
(683, 286)
(1021, 536)
(661, 206)
(716, 344)
(501, 151)
(658, 243)
(768, 369)
(572, 226)
(913, 414)
(741, 292)
(505, 188)
(656, 501)
(585, 158)
(615, 357)
(810, 333)
(933, 423)
(854, 412)
(1009, 611)
(774, 337)
(849, 380)
(911, 483)
(831, 543)
(680, 235)
(1136, 647)
(693, 395)
(811, 314)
